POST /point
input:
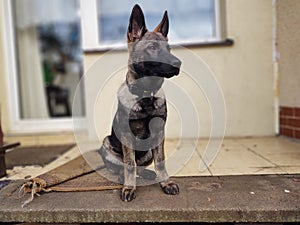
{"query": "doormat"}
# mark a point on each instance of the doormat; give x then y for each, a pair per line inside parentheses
(35, 155)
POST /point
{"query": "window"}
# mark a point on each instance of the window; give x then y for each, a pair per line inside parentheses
(191, 22)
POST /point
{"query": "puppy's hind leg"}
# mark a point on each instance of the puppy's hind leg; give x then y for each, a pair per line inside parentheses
(142, 163)
(112, 160)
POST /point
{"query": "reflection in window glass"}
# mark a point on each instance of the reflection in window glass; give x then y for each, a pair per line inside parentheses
(189, 20)
(49, 57)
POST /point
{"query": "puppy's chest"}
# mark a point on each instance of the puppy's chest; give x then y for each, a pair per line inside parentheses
(139, 108)
(149, 107)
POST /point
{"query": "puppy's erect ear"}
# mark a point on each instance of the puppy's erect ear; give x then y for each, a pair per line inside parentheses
(163, 26)
(137, 25)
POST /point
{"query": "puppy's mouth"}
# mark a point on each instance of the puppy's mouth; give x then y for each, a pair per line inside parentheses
(172, 73)
(150, 68)
(168, 71)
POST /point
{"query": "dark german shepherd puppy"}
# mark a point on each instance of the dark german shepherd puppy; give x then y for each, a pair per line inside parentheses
(137, 136)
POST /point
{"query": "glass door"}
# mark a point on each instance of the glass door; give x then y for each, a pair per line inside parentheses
(48, 57)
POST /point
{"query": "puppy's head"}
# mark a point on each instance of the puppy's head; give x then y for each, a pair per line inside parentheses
(149, 51)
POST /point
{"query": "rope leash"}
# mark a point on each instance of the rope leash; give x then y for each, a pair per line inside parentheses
(35, 186)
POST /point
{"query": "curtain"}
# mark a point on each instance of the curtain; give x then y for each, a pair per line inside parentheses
(32, 90)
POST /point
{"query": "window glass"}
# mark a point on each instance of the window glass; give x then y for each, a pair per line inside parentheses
(189, 20)
(49, 56)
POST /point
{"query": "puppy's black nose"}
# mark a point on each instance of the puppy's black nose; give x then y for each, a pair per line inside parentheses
(175, 62)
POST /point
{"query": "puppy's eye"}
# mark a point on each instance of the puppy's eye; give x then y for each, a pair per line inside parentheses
(152, 47)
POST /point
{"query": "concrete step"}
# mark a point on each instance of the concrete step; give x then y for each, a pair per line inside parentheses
(240, 199)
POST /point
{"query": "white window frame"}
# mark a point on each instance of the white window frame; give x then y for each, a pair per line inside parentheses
(90, 32)
(16, 124)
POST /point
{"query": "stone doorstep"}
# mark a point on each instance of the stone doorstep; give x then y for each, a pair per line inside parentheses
(270, 198)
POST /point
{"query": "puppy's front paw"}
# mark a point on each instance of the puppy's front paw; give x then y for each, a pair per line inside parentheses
(128, 194)
(169, 187)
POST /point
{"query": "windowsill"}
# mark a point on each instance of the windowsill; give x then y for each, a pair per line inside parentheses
(223, 43)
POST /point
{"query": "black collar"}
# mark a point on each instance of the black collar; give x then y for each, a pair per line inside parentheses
(140, 92)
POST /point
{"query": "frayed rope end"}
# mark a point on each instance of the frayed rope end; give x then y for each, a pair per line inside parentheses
(33, 186)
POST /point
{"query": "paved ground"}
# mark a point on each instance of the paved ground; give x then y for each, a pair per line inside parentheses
(236, 156)
(272, 198)
(210, 195)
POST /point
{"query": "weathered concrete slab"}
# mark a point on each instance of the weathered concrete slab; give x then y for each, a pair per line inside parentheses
(202, 199)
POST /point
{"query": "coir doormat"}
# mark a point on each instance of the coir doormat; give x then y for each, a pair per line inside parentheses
(35, 155)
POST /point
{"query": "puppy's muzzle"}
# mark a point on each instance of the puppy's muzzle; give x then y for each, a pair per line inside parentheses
(171, 68)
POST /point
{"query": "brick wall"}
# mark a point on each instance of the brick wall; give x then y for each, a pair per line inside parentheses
(290, 122)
